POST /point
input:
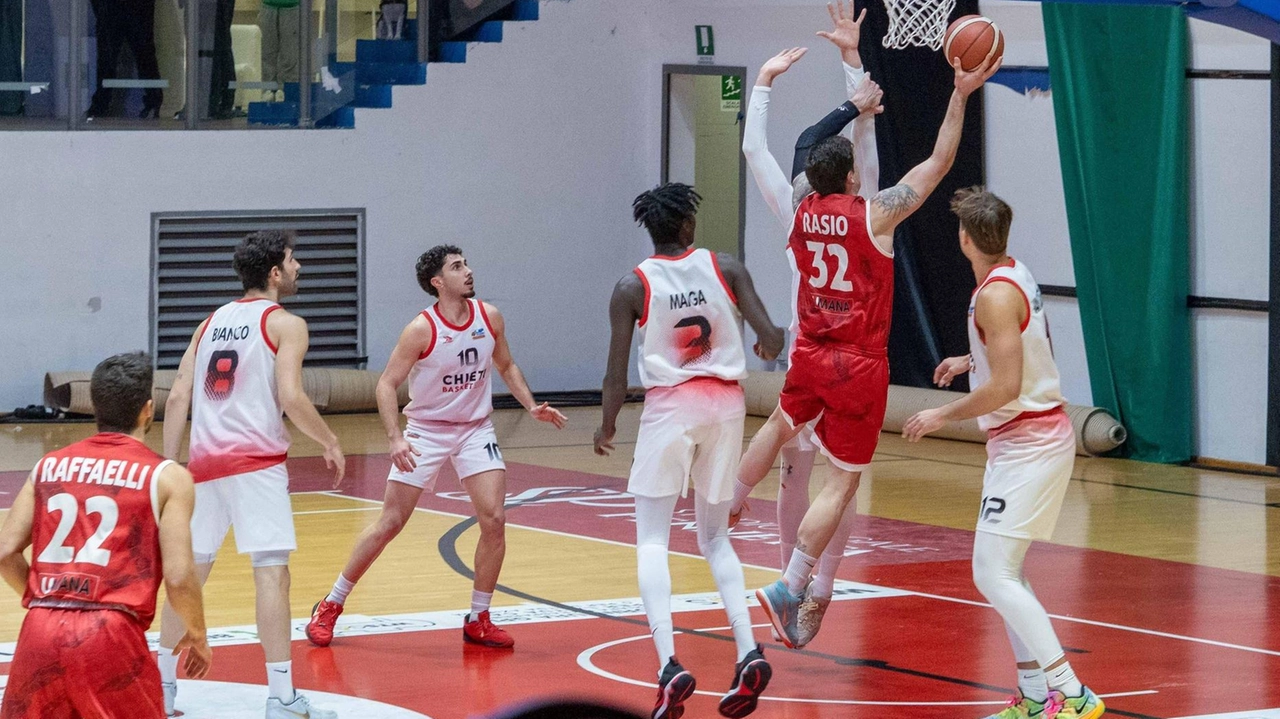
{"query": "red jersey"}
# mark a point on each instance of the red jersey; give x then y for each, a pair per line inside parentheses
(95, 538)
(845, 293)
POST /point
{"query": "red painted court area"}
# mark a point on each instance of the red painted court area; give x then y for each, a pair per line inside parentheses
(1165, 639)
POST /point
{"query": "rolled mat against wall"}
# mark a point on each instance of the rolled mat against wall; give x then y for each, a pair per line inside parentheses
(1097, 432)
(329, 389)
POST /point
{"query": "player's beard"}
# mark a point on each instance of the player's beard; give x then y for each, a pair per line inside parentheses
(469, 293)
(288, 288)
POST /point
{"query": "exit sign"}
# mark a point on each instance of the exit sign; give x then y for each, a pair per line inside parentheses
(706, 41)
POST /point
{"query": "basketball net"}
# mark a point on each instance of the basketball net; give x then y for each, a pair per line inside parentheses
(917, 22)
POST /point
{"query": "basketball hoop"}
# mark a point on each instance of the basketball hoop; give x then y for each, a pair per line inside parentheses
(920, 23)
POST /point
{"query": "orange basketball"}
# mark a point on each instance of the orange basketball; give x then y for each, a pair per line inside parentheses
(973, 39)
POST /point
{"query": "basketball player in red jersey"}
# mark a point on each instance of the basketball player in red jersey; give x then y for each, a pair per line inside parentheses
(245, 367)
(689, 305)
(447, 354)
(1016, 396)
(839, 374)
(106, 518)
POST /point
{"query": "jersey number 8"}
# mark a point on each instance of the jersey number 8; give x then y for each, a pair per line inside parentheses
(220, 379)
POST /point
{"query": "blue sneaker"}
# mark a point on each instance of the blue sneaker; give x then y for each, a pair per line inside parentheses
(783, 608)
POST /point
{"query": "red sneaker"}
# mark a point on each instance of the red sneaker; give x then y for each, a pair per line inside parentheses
(482, 631)
(733, 518)
(324, 615)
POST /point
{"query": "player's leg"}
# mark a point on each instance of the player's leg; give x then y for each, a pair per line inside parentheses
(484, 475)
(712, 473)
(210, 520)
(663, 457)
(798, 457)
(818, 598)
(398, 500)
(488, 492)
(760, 456)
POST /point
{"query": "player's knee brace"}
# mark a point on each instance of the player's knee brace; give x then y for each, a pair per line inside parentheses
(279, 558)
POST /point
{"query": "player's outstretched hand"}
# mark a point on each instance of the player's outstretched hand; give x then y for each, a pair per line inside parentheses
(782, 62)
(546, 413)
(868, 96)
(403, 453)
(929, 420)
(603, 442)
(845, 30)
(199, 655)
(949, 369)
(334, 460)
(968, 81)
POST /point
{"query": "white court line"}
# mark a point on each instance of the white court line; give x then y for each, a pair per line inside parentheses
(585, 661)
(939, 597)
(336, 511)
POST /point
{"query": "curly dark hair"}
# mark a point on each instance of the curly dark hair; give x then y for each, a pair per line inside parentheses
(431, 263)
(120, 388)
(663, 210)
(258, 253)
(829, 164)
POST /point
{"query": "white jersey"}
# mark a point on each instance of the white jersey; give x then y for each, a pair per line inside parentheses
(453, 380)
(237, 425)
(691, 325)
(1041, 388)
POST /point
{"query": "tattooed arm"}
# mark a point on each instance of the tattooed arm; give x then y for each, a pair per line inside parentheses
(891, 206)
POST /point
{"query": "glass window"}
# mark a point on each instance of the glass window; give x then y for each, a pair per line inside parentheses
(33, 47)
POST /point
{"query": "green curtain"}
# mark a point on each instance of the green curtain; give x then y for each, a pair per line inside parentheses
(1119, 97)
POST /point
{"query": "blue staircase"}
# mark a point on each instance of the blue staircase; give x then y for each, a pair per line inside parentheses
(380, 65)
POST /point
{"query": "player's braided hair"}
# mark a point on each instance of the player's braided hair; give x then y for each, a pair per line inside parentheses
(430, 264)
(663, 210)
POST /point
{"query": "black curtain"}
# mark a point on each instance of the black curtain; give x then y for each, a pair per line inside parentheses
(932, 279)
(10, 54)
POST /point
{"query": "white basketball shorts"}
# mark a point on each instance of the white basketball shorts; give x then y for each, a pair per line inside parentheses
(255, 503)
(690, 431)
(471, 446)
(1029, 463)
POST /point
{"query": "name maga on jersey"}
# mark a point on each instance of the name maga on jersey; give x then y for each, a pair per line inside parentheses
(95, 470)
(693, 298)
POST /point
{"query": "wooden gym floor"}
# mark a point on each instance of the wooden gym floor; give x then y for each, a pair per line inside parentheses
(1164, 583)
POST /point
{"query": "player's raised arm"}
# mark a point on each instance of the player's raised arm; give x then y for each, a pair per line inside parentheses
(512, 375)
(417, 340)
(771, 337)
(626, 307)
(179, 401)
(289, 334)
(15, 537)
(773, 183)
(176, 498)
(891, 206)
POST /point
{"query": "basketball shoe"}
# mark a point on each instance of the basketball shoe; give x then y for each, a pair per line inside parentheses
(782, 607)
(675, 686)
(482, 631)
(1086, 706)
(734, 517)
(1020, 707)
(809, 619)
(299, 708)
(324, 615)
(750, 677)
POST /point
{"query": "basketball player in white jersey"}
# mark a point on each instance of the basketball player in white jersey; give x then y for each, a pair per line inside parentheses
(689, 305)
(242, 371)
(448, 354)
(783, 197)
(1016, 397)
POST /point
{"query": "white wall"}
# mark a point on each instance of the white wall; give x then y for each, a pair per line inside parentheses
(529, 156)
(1230, 142)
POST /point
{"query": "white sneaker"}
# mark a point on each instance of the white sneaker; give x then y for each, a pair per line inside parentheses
(170, 696)
(299, 708)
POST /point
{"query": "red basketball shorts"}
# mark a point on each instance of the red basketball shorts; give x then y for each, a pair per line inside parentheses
(82, 664)
(845, 389)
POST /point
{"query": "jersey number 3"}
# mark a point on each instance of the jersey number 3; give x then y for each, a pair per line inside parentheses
(838, 281)
(92, 552)
(220, 379)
